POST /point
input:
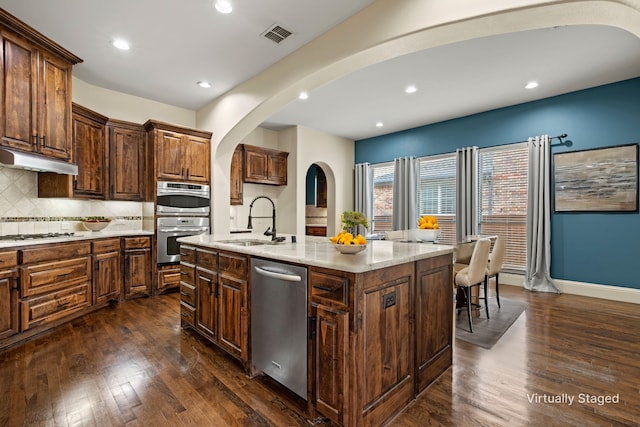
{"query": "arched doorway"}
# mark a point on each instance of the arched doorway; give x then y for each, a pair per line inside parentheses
(315, 201)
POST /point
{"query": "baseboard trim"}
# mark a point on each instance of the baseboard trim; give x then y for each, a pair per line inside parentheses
(613, 293)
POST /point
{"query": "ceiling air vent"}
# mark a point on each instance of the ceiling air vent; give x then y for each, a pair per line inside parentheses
(277, 33)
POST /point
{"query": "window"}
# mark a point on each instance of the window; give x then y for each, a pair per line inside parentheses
(502, 199)
(382, 197)
(437, 193)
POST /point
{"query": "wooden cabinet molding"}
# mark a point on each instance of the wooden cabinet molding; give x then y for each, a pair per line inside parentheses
(36, 88)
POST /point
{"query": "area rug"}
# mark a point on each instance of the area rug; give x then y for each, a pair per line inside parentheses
(487, 332)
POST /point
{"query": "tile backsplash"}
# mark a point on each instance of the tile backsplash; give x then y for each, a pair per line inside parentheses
(22, 212)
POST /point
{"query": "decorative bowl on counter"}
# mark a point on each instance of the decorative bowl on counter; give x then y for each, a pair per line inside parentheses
(425, 235)
(95, 224)
(349, 249)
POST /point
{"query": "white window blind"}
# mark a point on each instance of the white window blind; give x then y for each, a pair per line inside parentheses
(382, 196)
(437, 193)
(502, 198)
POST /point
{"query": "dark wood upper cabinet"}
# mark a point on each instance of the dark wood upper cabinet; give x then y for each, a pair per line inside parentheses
(265, 166)
(35, 88)
(127, 160)
(89, 153)
(181, 154)
(321, 188)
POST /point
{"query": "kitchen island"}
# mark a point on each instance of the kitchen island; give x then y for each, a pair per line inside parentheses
(380, 321)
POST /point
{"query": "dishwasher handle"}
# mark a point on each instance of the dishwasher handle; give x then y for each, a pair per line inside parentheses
(277, 275)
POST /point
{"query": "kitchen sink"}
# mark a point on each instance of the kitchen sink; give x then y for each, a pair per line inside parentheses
(249, 242)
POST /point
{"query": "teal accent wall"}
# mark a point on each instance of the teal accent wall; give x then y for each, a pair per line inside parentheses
(601, 248)
(310, 185)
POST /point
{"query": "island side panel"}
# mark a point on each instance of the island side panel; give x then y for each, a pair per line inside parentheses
(434, 318)
(383, 356)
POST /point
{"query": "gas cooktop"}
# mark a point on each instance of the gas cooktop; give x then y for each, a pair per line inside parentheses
(34, 236)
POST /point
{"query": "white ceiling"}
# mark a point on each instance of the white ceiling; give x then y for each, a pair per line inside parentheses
(176, 43)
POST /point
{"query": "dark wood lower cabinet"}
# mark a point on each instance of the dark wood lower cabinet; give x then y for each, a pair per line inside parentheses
(136, 252)
(107, 275)
(9, 320)
(45, 285)
(380, 338)
(214, 292)
(330, 370)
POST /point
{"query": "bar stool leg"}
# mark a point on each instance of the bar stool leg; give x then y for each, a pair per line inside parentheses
(497, 290)
(467, 293)
(486, 296)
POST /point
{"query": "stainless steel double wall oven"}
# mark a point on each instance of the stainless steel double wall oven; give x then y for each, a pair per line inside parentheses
(182, 209)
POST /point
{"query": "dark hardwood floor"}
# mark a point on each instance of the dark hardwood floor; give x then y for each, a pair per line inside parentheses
(130, 364)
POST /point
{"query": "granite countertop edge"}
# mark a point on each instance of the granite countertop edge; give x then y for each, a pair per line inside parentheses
(319, 252)
(78, 236)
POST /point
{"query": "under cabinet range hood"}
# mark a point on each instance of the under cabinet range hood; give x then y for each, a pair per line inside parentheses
(33, 162)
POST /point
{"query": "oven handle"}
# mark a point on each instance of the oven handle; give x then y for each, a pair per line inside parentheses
(181, 230)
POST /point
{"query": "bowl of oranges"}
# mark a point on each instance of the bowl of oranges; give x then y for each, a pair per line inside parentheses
(428, 229)
(346, 243)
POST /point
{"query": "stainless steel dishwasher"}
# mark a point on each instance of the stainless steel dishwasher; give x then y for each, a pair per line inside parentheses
(279, 322)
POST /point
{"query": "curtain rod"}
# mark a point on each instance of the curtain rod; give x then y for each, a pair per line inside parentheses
(559, 137)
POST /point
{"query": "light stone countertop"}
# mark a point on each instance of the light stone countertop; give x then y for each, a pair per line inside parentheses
(78, 235)
(319, 252)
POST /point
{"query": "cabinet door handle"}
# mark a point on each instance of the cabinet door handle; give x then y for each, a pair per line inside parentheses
(217, 292)
(63, 275)
(182, 172)
(44, 140)
(312, 327)
(188, 172)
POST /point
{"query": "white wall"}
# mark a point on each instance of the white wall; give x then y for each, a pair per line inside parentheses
(122, 106)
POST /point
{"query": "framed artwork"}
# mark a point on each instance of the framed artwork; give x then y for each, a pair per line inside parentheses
(598, 180)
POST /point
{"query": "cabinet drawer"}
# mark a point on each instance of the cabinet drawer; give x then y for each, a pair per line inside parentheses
(54, 252)
(136, 243)
(8, 259)
(54, 305)
(187, 254)
(104, 246)
(48, 277)
(187, 274)
(188, 294)
(327, 287)
(233, 265)
(187, 315)
(207, 259)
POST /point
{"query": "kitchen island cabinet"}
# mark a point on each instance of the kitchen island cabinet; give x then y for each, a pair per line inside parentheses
(214, 297)
(380, 322)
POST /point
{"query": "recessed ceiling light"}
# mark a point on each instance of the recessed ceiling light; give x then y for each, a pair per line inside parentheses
(223, 6)
(303, 95)
(121, 44)
(379, 124)
(204, 84)
(531, 85)
(411, 89)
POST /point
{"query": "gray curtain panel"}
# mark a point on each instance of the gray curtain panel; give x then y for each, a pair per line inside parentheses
(537, 276)
(466, 192)
(405, 193)
(364, 193)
